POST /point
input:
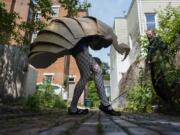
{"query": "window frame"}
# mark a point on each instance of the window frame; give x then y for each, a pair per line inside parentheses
(150, 23)
(56, 6)
(38, 16)
(70, 77)
(34, 36)
(48, 74)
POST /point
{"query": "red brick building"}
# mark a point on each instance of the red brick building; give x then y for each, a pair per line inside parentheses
(58, 71)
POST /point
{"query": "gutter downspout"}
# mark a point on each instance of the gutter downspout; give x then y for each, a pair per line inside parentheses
(139, 6)
(12, 6)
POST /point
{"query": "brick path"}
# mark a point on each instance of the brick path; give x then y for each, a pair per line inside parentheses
(95, 123)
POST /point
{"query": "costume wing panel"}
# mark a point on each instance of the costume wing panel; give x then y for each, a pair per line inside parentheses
(63, 34)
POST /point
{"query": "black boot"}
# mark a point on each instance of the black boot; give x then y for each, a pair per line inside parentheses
(108, 110)
(78, 111)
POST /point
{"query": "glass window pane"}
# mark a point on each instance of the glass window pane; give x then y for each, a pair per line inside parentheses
(150, 20)
(48, 78)
(55, 11)
(38, 16)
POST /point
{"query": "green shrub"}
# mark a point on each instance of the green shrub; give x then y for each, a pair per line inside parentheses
(166, 47)
(44, 99)
(92, 94)
(140, 98)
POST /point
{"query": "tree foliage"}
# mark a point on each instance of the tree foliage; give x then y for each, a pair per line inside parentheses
(105, 71)
(40, 8)
(168, 30)
(8, 25)
(169, 25)
(167, 44)
(72, 6)
(21, 32)
(92, 93)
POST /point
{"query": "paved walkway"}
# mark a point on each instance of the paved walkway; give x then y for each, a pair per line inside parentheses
(95, 123)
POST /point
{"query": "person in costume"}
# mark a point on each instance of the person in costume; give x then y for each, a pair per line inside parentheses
(87, 65)
(74, 36)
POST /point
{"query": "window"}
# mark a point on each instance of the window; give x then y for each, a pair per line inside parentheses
(55, 10)
(71, 78)
(108, 91)
(38, 16)
(48, 77)
(34, 35)
(150, 21)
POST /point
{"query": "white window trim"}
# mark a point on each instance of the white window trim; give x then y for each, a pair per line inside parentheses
(51, 74)
(71, 76)
(56, 6)
(38, 12)
(33, 37)
(145, 24)
(48, 74)
(156, 21)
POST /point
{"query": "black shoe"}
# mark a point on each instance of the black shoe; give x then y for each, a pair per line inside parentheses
(78, 111)
(109, 110)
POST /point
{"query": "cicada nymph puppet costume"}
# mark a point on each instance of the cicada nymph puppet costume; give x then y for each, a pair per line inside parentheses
(63, 34)
(74, 36)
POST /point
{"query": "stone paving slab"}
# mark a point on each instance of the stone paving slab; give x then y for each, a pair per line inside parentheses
(39, 125)
(109, 127)
(95, 123)
(123, 123)
(62, 129)
(142, 131)
(160, 124)
(89, 127)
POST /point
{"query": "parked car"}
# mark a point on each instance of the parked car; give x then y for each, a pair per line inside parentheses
(58, 89)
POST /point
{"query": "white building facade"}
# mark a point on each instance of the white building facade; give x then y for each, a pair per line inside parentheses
(142, 15)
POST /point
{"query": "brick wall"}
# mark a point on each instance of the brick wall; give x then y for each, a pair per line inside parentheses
(57, 68)
(21, 7)
(8, 4)
(82, 13)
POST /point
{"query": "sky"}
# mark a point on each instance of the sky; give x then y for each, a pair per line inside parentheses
(106, 11)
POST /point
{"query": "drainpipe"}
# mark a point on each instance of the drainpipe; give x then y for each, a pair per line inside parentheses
(12, 6)
(66, 73)
(139, 6)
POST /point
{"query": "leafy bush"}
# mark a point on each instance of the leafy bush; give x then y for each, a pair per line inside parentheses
(140, 98)
(169, 25)
(44, 99)
(92, 94)
(166, 71)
